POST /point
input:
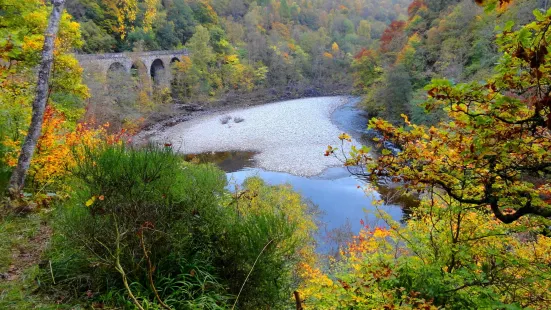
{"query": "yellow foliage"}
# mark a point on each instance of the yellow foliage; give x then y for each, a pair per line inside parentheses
(281, 199)
(56, 148)
(17, 89)
(335, 48)
(408, 51)
(231, 59)
(184, 65)
(149, 14)
(441, 240)
(126, 12)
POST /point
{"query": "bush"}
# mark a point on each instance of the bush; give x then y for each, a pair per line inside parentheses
(238, 119)
(421, 265)
(274, 217)
(143, 221)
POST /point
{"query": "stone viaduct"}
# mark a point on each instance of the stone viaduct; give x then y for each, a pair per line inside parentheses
(153, 68)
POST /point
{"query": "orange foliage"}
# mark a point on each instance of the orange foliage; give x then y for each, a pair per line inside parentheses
(184, 65)
(394, 29)
(281, 29)
(414, 7)
(502, 3)
(367, 240)
(57, 146)
(364, 52)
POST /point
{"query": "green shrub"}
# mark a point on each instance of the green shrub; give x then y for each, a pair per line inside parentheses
(274, 217)
(132, 202)
(5, 170)
(167, 227)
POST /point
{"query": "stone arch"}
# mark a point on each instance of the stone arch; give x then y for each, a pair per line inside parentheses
(174, 59)
(115, 68)
(138, 70)
(115, 74)
(120, 89)
(140, 76)
(157, 71)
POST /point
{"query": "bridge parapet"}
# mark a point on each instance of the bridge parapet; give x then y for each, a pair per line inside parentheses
(105, 56)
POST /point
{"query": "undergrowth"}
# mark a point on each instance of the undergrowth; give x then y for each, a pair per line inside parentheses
(145, 229)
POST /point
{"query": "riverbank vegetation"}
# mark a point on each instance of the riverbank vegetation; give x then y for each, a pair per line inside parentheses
(103, 223)
(480, 238)
(241, 50)
(175, 237)
(453, 40)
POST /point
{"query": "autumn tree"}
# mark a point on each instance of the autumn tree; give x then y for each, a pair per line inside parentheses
(494, 152)
(202, 58)
(335, 49)
(150, 14)
(364, 30)
(126, 12)
(17, 179)
(393, 36)
(480, 236)
(366, 69)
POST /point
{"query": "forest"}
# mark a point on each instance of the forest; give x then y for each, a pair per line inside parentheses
(95, 213)
(270, 49)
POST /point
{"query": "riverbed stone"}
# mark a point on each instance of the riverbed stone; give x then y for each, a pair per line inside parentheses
(289, 136)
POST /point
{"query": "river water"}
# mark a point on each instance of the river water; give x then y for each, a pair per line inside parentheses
(339, 196)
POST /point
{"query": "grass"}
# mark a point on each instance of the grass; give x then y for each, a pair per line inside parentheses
(22, 242)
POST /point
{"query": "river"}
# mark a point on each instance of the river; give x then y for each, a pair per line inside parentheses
(338, 195)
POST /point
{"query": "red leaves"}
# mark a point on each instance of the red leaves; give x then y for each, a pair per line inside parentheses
(364, 52)
(492, 87)
(536, 58)
(393, 30)
(545, 102)
(148, 225)
(345, 285)
(145, 226)
(414, 7)
(436, 93)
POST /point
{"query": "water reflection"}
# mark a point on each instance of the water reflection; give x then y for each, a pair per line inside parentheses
(352, 120)
(227, 161)
(339, 195)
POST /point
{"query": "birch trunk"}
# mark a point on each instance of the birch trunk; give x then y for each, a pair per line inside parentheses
(17, 180)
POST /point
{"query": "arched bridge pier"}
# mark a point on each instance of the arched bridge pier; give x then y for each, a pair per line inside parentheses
(152, 68)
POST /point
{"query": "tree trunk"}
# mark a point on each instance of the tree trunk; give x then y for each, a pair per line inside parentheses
(17, 180)
(298, 300)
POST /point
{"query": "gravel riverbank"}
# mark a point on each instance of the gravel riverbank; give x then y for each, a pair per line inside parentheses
(290, 136)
